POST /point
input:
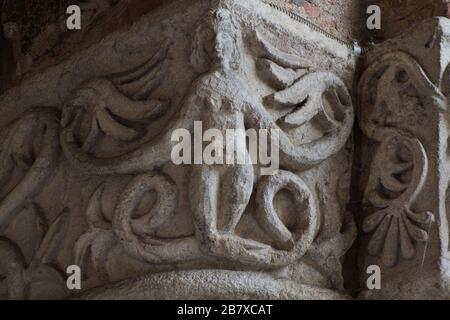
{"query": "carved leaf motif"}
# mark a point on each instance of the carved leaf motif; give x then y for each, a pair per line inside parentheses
(53, 239)
(118, 106)
(20, 276)
(318, 95)
(94, 212)
(143, 80)
(31, 143)
(279, 77)
(279, 68)
(283, 59)
(399, 170)
(392, 89)
(318, 99)
(94, 247)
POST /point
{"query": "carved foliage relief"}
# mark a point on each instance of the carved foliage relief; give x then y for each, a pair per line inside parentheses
(396, 100)
(115, 131)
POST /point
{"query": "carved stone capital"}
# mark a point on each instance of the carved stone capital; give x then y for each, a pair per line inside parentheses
(403, 112)
(100, 183)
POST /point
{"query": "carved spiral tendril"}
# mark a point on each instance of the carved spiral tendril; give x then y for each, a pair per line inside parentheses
(137, 235)
(38, 126)
(400, 166)
(294, 243)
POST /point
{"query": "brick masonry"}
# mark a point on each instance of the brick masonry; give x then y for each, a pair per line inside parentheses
(399, 15)
(43, 39)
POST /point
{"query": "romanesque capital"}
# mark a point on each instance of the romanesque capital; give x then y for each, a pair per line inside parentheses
(403, 113)
(88, 177)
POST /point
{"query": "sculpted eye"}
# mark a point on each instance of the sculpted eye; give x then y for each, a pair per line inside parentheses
(401, 76)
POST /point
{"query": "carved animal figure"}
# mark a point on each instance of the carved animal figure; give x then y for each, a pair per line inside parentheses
(219, 194)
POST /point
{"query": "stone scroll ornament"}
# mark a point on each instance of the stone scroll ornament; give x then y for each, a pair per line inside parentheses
(29, 155)
(119, 110)
(400, 166)
(31, 146)
(118, 106)
(31, 278)
(219, 194)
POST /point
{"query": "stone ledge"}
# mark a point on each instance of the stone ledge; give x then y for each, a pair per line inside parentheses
(210, 284)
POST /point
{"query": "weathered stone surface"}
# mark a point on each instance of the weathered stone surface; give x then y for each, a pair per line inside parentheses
(87, 177)
(33, 33)
(404, 116)
(210, 284)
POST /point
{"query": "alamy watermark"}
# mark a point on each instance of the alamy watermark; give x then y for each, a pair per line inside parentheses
(374, 280)
(374, 20)
(73, 281)
(230, 146)
(73, 22)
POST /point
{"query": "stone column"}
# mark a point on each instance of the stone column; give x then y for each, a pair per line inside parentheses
(403, 112)
(88, 177)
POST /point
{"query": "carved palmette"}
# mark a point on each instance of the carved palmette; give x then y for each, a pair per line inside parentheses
(305, 96)
(118, 106)
(398, 173)
(395, 98)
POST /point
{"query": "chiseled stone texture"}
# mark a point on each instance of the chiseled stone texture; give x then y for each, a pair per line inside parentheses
(404, 116)
(33, 33)
(87, 177)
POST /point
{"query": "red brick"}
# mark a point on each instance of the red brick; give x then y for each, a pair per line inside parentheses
(328, 24)
(311, 10)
